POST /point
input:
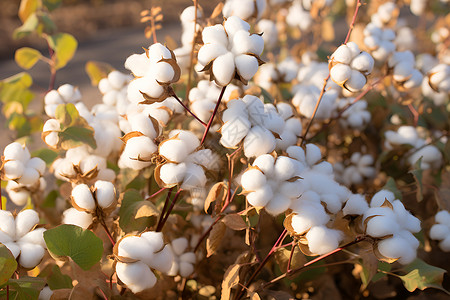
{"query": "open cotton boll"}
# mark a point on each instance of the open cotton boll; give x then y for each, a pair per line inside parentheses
(397, 247)
(164, 72)
(258, 141)
(25, 221)
(105, 193)
(363, 63)
(260, 197)
(75, 217)
(173, 150)
(13, 169)
(381, 226)
(190, 139)
(92, 162)
(322, 240)
(431, 157)
(381, 196)
(355, 205)
(244, 42)
(308, 215)
(340, 73)
(223, 69)
(30, 255)
(154, 239)
(265, 163)
(278, 204)
(210, 51)
(162, 260)
(37, 164)
(82, 196)
(137, 276)
(443, 217)
(284, 168)
(146, 85)
(7, 223)
(172, 174)
(356, 81)
(194, 177)
(138, 147)
(19, 197)
(253, 180)
(439, 231)
(179, 245)
(16, 151)
(246, 66)
(29, 176)
(143, 123)
(342, 54)
(233, 131)
(135, 247)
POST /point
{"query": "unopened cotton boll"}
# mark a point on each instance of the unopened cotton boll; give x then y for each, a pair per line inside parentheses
(137, 276)
(322, 240)
(75, 217)
(105, 193)
(82, 196)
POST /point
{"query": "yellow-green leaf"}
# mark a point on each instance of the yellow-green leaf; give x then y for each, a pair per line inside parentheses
(27, 57)
(30, 25)
(26, 8)
(422, 275)
(64, 46)
(97, 70)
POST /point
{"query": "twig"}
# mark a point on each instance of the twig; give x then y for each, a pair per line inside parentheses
(208, 126)
(155, 194)
(161, 225)
(107, 232)
(166, 203)
(172, 93)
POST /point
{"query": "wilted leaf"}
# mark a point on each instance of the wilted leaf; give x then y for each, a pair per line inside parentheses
(214, 193)
(234, 221)
(217, 10)
(417, 174)
(97, 70)
(8, 264)
(230, 280)
(422, 275)
(146, 209)
(131, 203)
(215, 238)
(83, 246)
(64, 46)
(27, 57)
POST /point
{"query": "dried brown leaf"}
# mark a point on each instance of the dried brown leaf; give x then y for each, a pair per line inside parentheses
(215, 238)
(217, 11)
(234, 221)
(214, 194)
(230, 280)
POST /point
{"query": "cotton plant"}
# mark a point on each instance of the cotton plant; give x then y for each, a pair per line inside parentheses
(230, 51)
(404, 73)
(359, 168)
(183, 260)
(393, 227)
(440, 231)
(66, 93)
(379, 41)
(183, 161)
(21, 236)
(349, 67)
(255, 124)
(356, 115)
(244, 9)
(271, 183)
(138, 255)
(154, 71)
(79, 165)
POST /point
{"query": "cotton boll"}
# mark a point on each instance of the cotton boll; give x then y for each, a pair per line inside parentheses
(322, 240)
(209, 52)
(340, 73)
(173, 150)
(16, 151)
(265, 163)
(379, 198)
(105, 193)
(135, 247)
(142, 123)
(69, 93)
(7, 223)
(195, 177)
(155, 239)
(37, 164)
(260, 197)
(30, 255)
(333, 204)
(82, 196)
(355, 205)
(396, 247)
(13, 169)
(172, 174)
(92, 162)
(25, 221)
(233, 131)
(439, 231)
(278, 204)
(244, 42)
(233, 24)
(284, 168)
(307, 216)
(19, 198)
(246, 66)
(191, 141)
(164, 72)
(443, 217)
(363, 63)
(29, 177)
(342, 55)
(146, 85)
(138, 147)
(186, 269)
(13, 248)
(223, 69)
(258, 141)
(162, 260)
(137, 276)
(252, 180)
(179, 245)
(313, 154)
(380, 226)
(35, 236)
(356, 81)
(79, 218)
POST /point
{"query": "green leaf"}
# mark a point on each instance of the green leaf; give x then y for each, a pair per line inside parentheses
(64, 46)
(75, 136)
(30, 26)
(56, 280)
(51, 4)
(8, 264)
(132, 203)
(27, 57)
(50, 200)
(16, 89)
(46, 155)
(422, 275)
(25, 288)
(392, 186)
(82, 246)
(97, 70)
(417, 173)
(383, 267)
(267, 96)
(67, 115)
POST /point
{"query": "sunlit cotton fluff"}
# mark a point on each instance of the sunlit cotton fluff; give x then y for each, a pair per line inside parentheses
(64, 94)
(441, 230)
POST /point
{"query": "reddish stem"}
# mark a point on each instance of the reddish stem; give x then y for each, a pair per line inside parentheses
(186, 108)
(208, 126)
(108, 233)
(166, 203)
(415, 113)
(352, 25)
(155, 194)
(161, 225)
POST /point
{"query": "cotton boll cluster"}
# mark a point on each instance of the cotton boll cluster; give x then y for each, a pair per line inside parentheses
(312, 72)
(64, 94)
(270, 33)
(356, 116)
(386, 14)
(254, 123)
(306, 97)
(405, 38)
(183, 162)
(439, 78)
(349, 67)
(102, 195)
(283, 72)
(80, 166)
(137, 255)
(358, 168)
(393, 227)
(379, 41)
(154, 71)
(50, 132)
(441, 230)
(271, 183)
(429, 63)
(24, 172)
(409, 135)
(22, 238)
(183, 261)
(230, 51)
(244, 9)
(114, 90)
(292, 128)
(299, 17)
(404, 74)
